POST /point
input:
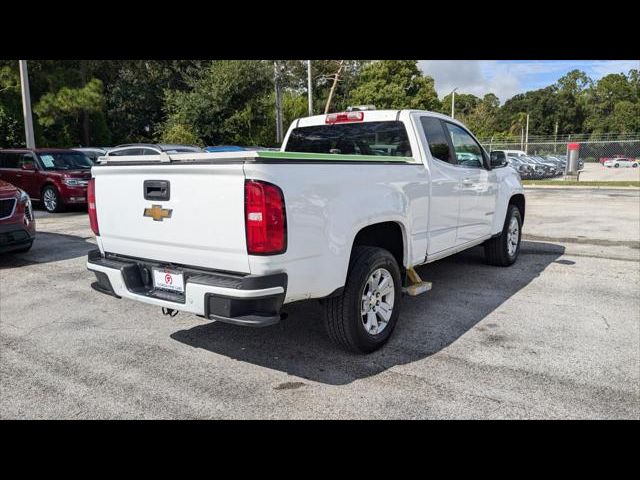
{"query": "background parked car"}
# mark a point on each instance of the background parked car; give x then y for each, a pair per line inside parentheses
(233, 148)
(621, 162)
(602, 160)
(151, 149)
(93, 153)
(56, 177)
(17, 224)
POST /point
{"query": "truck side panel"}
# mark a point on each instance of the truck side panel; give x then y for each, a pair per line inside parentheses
(327, 204)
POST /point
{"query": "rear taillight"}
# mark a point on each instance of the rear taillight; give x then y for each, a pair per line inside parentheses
(91, 200)
(265, 218)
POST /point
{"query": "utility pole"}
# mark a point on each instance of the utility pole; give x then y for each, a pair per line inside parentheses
(309, 87)
(333, 87)
(526, 141)
(276, 81)
(521, 137)
(453, 103)
(555, 138)
(26, 105)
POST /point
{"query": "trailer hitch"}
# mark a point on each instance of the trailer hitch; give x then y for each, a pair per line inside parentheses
(170, 311)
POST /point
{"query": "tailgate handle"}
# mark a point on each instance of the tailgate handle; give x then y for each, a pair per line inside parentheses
(156, 190)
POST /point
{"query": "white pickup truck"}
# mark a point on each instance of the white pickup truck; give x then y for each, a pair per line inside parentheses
(351, 203)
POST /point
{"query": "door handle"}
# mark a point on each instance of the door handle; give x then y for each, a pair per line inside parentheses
(467, 181)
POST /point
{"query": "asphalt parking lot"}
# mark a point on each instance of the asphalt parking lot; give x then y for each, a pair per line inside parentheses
(597, 172)
(555, 336)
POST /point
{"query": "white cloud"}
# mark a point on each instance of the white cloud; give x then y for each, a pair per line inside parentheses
(507, 78)
(478, 77)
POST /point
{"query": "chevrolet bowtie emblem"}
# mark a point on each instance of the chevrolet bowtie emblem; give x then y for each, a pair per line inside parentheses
(157, 212)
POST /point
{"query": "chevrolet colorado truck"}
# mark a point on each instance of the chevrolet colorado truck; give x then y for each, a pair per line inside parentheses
(342, 213)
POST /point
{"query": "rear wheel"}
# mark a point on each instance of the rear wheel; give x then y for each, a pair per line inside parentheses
(617, 165)
(635, 165)
(51, 199)
(364, 316)
(503, 250)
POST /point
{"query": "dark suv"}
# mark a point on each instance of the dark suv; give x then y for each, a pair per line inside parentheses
(55, 177)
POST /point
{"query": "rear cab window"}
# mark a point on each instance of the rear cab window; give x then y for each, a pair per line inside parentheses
(377, 138)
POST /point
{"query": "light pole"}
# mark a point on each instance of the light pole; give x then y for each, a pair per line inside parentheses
(453, 102)
(526, 137)
(26, 105)
(278, 104)
(309, 87)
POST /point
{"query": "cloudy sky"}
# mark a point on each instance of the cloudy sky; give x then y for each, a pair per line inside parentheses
(505, 78)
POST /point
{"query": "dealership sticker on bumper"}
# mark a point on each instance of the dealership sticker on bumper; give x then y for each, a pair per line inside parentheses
(168, 280)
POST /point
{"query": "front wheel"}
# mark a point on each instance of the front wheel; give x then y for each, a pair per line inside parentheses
(617, 165)
(503, 250)
(364, 316)
(635, 165)
(51, 199)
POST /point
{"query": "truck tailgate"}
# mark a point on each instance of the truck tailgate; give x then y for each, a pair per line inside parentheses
(201, 224)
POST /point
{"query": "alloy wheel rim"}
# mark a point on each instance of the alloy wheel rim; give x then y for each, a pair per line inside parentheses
(513, 236)
(377, 301)
(50, 200)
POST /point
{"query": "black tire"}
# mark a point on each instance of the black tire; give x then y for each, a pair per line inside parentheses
(25, 248)
(496, 250)
(51, 190)
(634, 165)
(342, 314)
(617, 165)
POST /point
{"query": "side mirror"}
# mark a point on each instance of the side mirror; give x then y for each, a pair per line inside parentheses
(498, 159)
(28, 166)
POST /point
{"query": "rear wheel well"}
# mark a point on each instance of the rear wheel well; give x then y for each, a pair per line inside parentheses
(518, 201)
(387, 235)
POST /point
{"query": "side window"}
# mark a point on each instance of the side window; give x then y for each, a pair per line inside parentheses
(27, 159)
(126, 152)
(437, 139)
(467, 150)
(150, 151)
(11, 160)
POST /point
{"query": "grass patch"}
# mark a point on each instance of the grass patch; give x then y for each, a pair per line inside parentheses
(592, 183)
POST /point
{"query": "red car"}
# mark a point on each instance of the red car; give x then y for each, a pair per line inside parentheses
(55, 177)
(17, 225)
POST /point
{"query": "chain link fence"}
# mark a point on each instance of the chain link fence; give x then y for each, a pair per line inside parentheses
(593, 148)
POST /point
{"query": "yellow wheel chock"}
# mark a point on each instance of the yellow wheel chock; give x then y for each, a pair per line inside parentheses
(417, 286)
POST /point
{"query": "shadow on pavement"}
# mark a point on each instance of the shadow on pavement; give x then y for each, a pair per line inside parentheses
(48, 247)
(465, 291)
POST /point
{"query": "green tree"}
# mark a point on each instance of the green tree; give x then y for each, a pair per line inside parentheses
(395, 84)
(69, 106)
(613, 104)
(225, 103)
(11, 124)
(481, 119)
(465, 104)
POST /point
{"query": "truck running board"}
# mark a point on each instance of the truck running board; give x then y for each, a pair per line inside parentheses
(417, 286)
